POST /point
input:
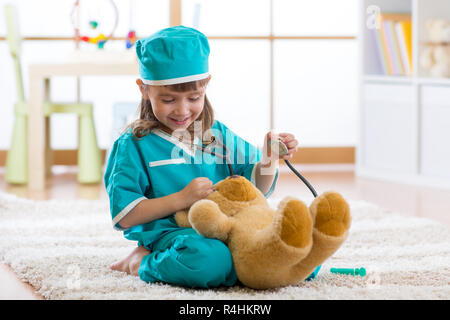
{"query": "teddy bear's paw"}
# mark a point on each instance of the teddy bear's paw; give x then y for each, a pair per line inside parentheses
(332, 214)
(296, 223)
(207, 219)
(203, 212)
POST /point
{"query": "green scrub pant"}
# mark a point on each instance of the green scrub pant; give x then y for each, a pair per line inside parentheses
(185, 258)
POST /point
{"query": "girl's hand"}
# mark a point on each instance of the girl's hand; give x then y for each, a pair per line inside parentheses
(287, 138)
(291, 143)
(197, 189)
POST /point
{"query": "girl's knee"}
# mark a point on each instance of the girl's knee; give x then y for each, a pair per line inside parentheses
(209, 262)
(219, 257)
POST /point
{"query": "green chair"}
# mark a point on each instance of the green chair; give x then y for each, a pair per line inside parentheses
(89, 157)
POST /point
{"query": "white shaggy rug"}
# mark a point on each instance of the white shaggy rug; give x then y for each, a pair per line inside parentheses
(63, 249)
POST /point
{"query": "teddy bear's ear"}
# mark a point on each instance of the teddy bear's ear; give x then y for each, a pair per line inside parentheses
(237, 188)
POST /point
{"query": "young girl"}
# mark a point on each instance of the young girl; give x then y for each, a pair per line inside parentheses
(154, 171)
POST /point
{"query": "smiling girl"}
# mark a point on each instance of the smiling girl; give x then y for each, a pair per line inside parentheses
(150, 175)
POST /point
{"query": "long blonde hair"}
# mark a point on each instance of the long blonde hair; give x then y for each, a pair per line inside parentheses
(147, 120)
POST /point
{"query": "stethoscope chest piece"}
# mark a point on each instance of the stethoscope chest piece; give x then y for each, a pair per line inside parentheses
(279, 147)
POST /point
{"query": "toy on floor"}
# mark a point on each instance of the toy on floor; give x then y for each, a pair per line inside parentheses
(270, 248)
(350, 271)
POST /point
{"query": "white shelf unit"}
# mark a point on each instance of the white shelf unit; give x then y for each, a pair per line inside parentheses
(404, 132)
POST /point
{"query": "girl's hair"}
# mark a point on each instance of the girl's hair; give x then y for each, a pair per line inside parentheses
(147, 120)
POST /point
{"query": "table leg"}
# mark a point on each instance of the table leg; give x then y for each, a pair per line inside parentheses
(48, 149)
(36, 133)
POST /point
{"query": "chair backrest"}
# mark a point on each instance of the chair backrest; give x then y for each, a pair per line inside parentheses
(14, 40)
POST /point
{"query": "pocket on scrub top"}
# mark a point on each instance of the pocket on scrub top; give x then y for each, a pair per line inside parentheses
(166, 162)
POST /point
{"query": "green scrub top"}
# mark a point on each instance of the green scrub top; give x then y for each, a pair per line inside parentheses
(158, 165)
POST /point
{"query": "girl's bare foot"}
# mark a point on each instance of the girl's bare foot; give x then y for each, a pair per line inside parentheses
(131, 263)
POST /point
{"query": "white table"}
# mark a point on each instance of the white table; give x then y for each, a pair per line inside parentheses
(39, 77)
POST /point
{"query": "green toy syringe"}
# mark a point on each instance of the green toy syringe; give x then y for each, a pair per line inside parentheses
(350, 271)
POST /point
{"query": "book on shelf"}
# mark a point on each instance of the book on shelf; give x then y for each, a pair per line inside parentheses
(382, 59)
(404, 31)
(393, 43)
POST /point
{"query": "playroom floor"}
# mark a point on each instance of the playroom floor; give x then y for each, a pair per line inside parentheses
(404, 199)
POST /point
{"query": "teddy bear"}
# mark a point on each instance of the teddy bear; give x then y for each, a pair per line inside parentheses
(270, 248)
(435, 57)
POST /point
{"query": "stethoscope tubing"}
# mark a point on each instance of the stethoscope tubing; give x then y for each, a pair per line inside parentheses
(223, 156)
(306, 182)
(230, 167)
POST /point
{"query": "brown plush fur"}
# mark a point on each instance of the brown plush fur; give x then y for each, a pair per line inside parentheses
(270, 248)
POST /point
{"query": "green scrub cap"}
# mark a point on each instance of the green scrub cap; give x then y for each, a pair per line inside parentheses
(173, 55)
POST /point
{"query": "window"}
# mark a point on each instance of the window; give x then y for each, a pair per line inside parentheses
(311, 49)
(283, 64)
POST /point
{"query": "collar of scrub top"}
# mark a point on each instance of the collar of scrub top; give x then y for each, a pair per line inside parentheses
(198, 144)
(211, 145)
(210, 148)
(189, 149)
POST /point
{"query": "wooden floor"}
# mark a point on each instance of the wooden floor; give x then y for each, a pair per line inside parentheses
(404, 199)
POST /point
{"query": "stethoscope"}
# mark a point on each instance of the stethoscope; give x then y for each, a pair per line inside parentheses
(275, 145)
(283, 150)
(207, 147)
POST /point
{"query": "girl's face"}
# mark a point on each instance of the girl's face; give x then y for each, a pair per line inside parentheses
(175, 110)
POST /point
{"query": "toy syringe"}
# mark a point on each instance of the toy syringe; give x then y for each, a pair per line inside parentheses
(350, 271)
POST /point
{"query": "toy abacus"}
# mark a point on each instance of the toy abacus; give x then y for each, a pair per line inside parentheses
(100, 39)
